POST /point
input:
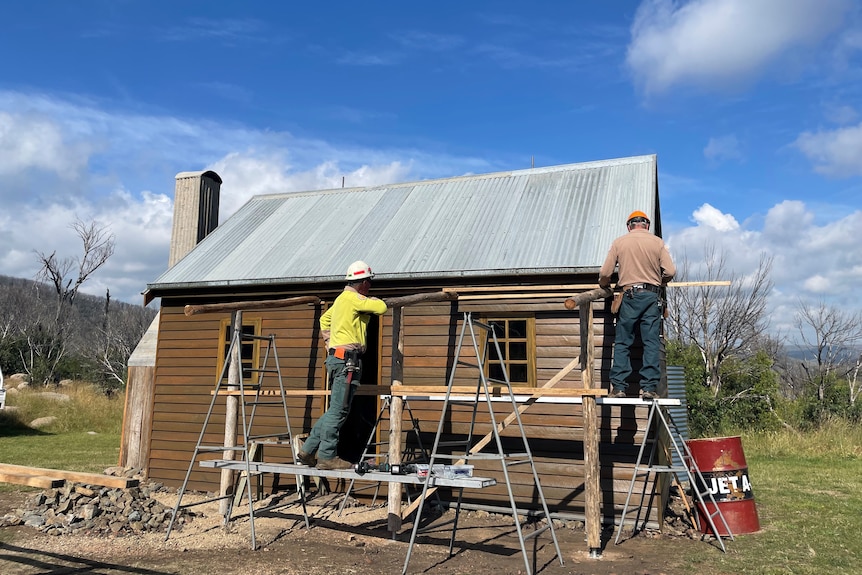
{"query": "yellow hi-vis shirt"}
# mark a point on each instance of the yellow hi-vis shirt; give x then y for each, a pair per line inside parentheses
(346, 321)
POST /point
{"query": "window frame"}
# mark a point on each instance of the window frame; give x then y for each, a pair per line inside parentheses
(504, 340)
(249, 365)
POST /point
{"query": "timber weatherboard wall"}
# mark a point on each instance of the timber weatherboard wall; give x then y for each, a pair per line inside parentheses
(188, 359)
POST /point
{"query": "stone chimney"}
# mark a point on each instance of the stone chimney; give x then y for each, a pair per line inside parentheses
(196, 202)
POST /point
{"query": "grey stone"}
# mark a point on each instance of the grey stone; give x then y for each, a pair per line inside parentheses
(43, 421)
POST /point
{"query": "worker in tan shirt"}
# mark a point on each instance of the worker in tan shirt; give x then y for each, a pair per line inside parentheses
(645, 266)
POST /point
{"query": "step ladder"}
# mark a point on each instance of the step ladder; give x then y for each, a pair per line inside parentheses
(469, 329)
(261, 391)
(411, 453)
(661, 419)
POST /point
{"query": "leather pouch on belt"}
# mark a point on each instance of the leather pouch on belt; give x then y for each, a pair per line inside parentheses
(340, 352)
(615, 304)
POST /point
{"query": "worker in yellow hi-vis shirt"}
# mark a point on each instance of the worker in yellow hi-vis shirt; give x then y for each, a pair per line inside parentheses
(343, 327)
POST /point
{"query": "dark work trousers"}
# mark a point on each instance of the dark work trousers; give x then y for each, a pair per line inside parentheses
(324, 435)
(638, 309)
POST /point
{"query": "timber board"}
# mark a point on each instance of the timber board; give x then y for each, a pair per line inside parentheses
(170, 353)
(31, 480)
(76, 476)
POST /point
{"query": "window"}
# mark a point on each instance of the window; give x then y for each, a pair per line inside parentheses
(249, 348)
(516, 338)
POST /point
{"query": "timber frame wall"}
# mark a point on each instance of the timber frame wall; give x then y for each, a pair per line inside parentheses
(187, 365)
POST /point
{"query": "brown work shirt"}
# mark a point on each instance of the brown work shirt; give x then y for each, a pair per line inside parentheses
(643, 258)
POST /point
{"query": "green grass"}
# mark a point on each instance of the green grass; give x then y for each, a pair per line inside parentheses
(84, 437)
(808, 490)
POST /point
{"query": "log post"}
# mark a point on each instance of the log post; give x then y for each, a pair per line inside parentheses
(396, 302)
(396, 402)
(231, 411)
(249, 305)
(587, 296)
(592, 513)
(396, 408)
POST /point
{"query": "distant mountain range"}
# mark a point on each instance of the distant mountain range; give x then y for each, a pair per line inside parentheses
(804, 353)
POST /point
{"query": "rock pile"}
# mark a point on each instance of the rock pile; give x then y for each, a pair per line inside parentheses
(86, 509)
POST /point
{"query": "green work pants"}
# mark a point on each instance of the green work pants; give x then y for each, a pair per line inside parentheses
(324, 435)
(639, 309)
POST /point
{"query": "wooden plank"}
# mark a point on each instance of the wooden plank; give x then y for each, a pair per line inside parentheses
(296, 469)
(31, 480)
(503, 289)
(362, 390)
(77, 476)
(495, 391)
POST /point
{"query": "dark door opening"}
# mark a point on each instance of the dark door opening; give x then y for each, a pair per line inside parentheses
(363, 411)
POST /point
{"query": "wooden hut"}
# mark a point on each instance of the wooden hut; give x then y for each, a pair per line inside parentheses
(513, 245)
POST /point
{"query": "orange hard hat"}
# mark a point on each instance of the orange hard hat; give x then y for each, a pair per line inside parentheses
(637, 214)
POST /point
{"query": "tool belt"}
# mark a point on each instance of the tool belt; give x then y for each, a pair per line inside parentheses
(634, 288)
(345, 354)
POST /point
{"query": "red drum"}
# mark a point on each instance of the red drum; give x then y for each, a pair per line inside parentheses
(722, 464)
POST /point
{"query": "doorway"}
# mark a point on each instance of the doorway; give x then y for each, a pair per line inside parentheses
(364, 409)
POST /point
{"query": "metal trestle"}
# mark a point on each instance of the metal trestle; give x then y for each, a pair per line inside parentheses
(266, 388)
(661, 419)
(473, 451)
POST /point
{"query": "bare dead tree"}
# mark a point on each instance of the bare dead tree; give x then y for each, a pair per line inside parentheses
(721, 321)
(66, 276)
(831, 334)
(121, 329)
(853, 382)
(98, 247)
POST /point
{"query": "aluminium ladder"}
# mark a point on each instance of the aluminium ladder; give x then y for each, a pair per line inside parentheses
(250, 395)
(473, 452)
(664, 423)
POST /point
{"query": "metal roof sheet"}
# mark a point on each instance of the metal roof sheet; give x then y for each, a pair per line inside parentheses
(558, 219)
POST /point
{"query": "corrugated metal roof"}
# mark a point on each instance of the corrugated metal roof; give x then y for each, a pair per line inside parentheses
(558, 219)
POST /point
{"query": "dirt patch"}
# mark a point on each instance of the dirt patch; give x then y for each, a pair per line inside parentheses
(356, 541)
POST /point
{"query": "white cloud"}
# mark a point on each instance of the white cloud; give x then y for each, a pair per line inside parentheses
(817, 284)
(32, 141)
(721, 43)
(836, 152)
(247, 175)
(783, 221)
(710, 217)
(64, 160)
(811, 261)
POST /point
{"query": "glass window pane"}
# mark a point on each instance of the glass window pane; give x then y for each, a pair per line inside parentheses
(517, 328)
(518, 350)
(495, 371)
(518, 373)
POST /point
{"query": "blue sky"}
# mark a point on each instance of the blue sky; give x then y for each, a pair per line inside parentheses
(754, 108)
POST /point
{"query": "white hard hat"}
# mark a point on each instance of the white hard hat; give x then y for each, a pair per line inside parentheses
(359, 270)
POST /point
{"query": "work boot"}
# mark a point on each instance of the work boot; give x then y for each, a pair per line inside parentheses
(306, 459)
(649, 395)
(334, 463)
(617, 394)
